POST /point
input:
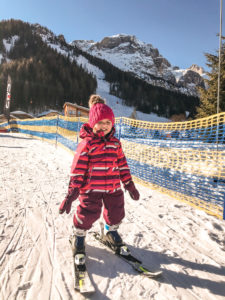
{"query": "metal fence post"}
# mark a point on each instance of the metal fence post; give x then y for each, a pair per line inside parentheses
(223, 209)
(78, 127)
(120, 127)
(56, 134)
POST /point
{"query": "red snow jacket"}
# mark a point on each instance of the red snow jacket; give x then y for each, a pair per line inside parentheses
(99, 163)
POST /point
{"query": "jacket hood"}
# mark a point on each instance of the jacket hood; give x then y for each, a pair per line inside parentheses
(86, 131)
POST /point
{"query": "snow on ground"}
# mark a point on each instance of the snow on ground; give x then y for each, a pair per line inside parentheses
(35, 256)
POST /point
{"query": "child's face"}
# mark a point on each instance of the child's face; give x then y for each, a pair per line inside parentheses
(104, 125)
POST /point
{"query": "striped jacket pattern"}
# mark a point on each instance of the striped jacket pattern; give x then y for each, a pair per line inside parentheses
(99, 163)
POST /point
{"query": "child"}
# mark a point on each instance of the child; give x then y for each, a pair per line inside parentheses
(98, 167)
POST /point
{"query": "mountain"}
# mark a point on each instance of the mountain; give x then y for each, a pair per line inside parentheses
(144, 61)
(46, 71)
(42, 78)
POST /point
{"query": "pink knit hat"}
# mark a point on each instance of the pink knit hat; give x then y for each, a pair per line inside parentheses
(100, 111)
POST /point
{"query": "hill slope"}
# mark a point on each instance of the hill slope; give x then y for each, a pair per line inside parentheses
(41, 77)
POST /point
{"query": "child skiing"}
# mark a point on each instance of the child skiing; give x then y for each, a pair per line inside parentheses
(98, 167)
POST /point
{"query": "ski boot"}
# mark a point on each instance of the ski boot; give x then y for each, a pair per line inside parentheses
(112, 239)
(77, 241)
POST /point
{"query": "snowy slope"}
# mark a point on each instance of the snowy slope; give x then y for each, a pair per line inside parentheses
(114, 102)
(8, 45)
(35, 257)
(129, 54)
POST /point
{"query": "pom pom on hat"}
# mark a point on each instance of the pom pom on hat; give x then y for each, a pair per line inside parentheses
(99, 111)
(95, 99)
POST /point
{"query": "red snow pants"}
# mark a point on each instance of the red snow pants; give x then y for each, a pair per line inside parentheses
(90, 207)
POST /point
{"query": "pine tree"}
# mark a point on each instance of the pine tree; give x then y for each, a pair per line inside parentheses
(208, 96)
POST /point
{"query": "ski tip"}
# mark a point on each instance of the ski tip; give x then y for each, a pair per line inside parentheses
(153, 274)
(88, 292)
(146, 272)
(87, 289)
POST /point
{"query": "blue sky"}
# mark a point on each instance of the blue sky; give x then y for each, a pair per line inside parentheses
(182, 30)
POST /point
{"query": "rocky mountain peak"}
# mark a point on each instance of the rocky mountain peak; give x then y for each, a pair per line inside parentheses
(197, 69)
(116, 40)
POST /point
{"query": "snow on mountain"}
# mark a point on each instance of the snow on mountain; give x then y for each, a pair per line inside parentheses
(178, 73)
(128, 53)
(114, 102)
(8, 45)
(125, 52)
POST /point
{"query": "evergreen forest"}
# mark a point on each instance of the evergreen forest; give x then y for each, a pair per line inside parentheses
(41, 78)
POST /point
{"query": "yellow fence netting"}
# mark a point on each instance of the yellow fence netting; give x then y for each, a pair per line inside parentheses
(184, 159)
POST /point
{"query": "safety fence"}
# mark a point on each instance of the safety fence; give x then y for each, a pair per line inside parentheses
(183, 159)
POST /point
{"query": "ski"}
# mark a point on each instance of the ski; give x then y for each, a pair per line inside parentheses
(82, 282)
(124, 253)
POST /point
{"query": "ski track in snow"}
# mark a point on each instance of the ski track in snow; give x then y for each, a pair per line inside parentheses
(35, 256)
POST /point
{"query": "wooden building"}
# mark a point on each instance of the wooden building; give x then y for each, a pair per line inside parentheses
(49, 113)
(21, 115)
(16, 115)
(74, 110)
